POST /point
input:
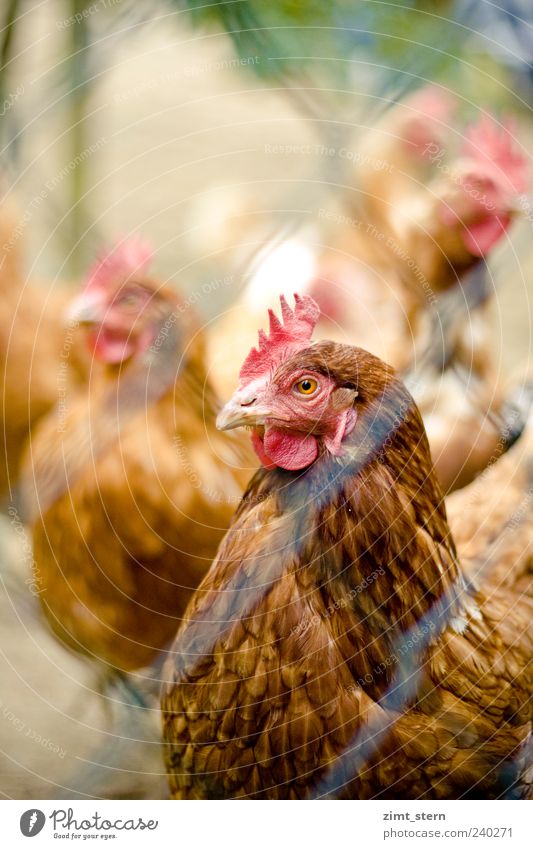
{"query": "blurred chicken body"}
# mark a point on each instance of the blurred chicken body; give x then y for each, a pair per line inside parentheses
(399, 149)
(36, 357)
(467, 407)
(337, 586)
(492, 519)
(132, 489)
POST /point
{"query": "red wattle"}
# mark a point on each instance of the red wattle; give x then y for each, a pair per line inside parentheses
(110, 347)
(287, 449)
(480, 237)
(258, 447)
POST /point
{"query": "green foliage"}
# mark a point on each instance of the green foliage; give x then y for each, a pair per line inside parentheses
(324, 37)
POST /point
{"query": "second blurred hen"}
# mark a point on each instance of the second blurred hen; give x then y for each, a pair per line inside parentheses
(37, 354)
(129, 487)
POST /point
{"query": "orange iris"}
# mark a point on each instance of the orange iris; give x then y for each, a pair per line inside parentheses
(306, 386)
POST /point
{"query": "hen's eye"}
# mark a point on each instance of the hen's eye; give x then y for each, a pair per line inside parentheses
(129, 299)
(306, 386)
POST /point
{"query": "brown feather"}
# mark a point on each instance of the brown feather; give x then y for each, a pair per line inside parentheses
(130, 500)
(341, 575)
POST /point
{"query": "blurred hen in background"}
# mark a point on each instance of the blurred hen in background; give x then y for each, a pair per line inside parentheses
(37, 357)
(131, 489)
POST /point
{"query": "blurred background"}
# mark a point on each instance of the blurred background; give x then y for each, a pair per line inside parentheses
(220, 132)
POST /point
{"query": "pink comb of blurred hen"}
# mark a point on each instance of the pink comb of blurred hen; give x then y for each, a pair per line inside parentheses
(285, 338)
(129, 256)
(492, 145)
(432, 101)
(424, 117)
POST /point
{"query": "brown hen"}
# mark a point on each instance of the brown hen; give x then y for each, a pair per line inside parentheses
(131, 488)
(334, 646)
(37, 358)
(491, 519)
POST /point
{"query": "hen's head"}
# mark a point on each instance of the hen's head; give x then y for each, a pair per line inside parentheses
(479, 195)
(422, 120)
(121, 306)
(301, 399)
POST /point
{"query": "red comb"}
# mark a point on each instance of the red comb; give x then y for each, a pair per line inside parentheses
(129, 256)
(284, 339)
(492, 144)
